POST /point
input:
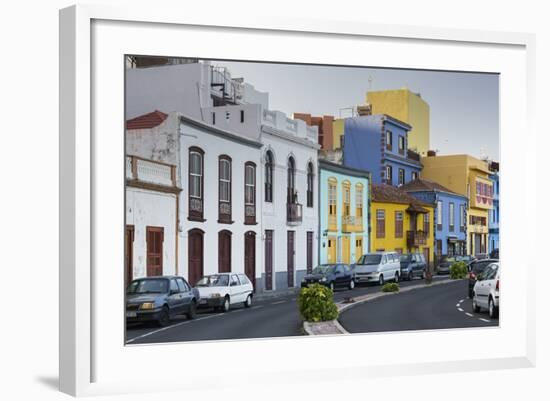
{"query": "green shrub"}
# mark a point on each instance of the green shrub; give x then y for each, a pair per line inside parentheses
(316, 303)
(459, 270)
(390, 287)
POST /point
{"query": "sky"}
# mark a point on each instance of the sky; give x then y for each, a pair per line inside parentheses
(464, 107)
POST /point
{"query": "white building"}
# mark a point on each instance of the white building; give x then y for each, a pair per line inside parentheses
(224, 116)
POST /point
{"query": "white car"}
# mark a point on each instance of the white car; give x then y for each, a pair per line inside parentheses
(378, 267)
(221, 290)
(487, 290)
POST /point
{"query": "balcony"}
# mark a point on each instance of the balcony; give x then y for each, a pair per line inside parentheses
(145, 171)
(332, 224)
(348, 224)
(416, 239)
(293, 214)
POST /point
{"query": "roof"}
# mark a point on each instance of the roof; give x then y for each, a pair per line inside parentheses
(388, 194)
(339, 168)
(146, 121)
(425, 185)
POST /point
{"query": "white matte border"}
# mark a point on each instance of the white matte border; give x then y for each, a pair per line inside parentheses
(120, 369)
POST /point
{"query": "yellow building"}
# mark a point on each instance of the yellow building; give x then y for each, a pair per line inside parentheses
(400, 222)
(468, 176)
(408, 107)
(337, 133)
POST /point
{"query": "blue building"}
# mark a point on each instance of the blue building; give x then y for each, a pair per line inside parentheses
(494, 212)
(344, 195)
(379, 144)
(450, 223)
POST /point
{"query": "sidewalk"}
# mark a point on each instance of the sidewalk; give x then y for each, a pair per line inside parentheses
(261, 296)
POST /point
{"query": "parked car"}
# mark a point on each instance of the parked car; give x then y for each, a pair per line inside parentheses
(378, 267)
(475, 269)
(481, 256)
(220, 291)
(487, 290)
(159, 299)
(494, 254)
(444, 266)
(333, 276)
(465, 258)
(412, 265)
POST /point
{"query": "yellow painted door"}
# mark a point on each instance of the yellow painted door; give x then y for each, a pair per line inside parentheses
(345, 250)
(331, 250)
(358, 248)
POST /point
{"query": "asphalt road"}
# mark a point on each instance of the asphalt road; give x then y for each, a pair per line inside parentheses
(443, 306)
(275, 317)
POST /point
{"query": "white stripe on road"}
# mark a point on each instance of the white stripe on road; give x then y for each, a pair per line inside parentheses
(278, 302)
(460, 309)
(469, 314)
(458, 305)
(461, 301)
(484, 320)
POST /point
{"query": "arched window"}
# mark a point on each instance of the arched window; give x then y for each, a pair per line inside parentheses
(196, 183)
(310, 180)
(269, 176)
(292, 195)
(346, 198)
(249, 193)
(224, 189)
(332, 203)
(359, 201)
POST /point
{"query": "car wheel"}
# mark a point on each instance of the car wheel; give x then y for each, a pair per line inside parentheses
(225, 305)
(381, 279)
(331, 285)
(493, 311)
(248, 302)
(351, 284)
(164, 318)
(475, 306)
(192, 310)
(396, 277)
(410, 276)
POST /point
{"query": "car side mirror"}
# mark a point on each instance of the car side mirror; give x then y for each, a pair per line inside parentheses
(172, 292)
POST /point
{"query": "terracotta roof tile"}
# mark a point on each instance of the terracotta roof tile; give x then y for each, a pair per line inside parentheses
(425, 185)
(149, 120)
(390, 194)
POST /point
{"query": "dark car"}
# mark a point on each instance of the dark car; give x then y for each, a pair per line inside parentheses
(444, 266)
(159, 299)
(494, 254)
(476, 269)
(333, 276)
(412, 265)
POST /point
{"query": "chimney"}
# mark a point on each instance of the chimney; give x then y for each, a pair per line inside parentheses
(364, 110)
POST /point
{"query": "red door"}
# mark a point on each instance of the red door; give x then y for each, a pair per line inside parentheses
(250, 256)
(309, 251)
(290, 251)
(155, 238)
(195, 258)
(269, 260)
(224, 251)
(129, 255)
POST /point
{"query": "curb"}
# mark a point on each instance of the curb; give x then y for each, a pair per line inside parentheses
(275, 294)
(334, 327)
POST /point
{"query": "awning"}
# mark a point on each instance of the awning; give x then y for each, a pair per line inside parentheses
(414, 208)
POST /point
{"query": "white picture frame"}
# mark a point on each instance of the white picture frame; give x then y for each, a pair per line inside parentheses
(94, 360)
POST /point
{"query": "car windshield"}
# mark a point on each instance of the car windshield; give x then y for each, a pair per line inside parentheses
(405, 258)
(215, 280)
(323, 269)
(480, 266)
(370, 259)
(149, 286)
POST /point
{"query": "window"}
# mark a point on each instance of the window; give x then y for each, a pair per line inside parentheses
(213, 118)
(462, 218)
(426, 223)
(359, 202)
(332, 202)
(389, 140)
(269, 176)
(380, 223)
(310, 181)
(244, 279)
(414, 175)
(389, 174)
(249, 193)
(196, 183)
(398, 224)
(346, 198)
(242, 116)
(451, 216)
(292, 195)
(174, 286)
(401, 145)
(224, 189)
(439, 221)
(183, 285)
(234, 280)
(401, 176)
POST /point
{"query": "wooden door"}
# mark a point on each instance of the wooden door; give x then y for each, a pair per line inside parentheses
(358, 248)
(345, 250)
(129, 255)
(155, 239)
(195, 255)
(268, 259)
(290, 252)
(250, 256)
(331, 250)
(309, 251)
(224, 251)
